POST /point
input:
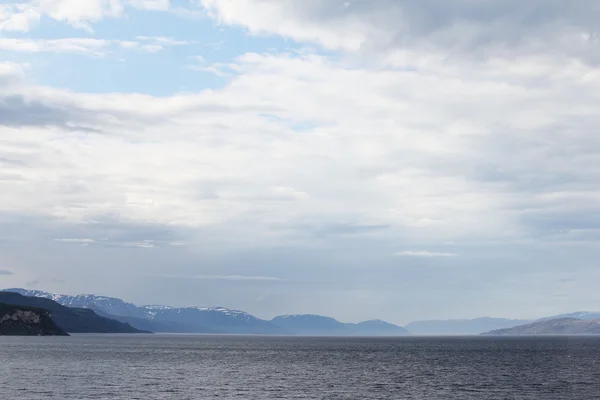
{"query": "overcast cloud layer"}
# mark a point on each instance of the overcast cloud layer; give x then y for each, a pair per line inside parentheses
(390, 159)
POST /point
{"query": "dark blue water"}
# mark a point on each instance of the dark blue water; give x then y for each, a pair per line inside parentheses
(219, 367)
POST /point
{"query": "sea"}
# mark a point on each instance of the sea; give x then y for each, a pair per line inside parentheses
(266, 367)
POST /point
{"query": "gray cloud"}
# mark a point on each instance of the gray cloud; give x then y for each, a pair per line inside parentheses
(425, 253)
(223, 277)
(456, 27)
(17, 111)
(99, 231)
(83, 241)
(9, 161)
(11, 177)
(322, 227)
(6, 272)
(44, 281)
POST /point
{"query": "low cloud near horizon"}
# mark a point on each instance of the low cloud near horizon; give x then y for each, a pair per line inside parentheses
(385, 159)
(409, 253)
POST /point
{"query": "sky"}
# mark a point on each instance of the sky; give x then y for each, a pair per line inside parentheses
(362, 159)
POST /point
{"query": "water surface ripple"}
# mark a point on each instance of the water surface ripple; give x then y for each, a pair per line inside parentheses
(243, 367)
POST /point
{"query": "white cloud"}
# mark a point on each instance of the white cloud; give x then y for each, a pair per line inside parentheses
(144, 244)
(387, 150)
(162, 40)
(86, 46)
(18, 17)
(80, 14)
(83, 241)
(23, 16)
(12, 72)
(149, 48)
(266, 17)
(409, 253)
(219, 69)
(154, 5)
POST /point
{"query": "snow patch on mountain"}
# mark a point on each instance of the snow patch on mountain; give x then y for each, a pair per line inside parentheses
(223, 318)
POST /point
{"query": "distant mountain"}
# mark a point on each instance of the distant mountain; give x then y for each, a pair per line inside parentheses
(164, 318)
(576, 315)
(157, 326)
(72, 320)
(217, 319)
(462, 326)
(107, 305)
(560, 326)
(378, 327)
(308, 324)
(27, 321)
(212, 319)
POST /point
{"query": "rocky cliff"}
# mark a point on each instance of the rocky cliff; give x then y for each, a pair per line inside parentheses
(27, 321)
(72, 320)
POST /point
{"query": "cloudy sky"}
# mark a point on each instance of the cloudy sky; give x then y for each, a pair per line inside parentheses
(393, 159)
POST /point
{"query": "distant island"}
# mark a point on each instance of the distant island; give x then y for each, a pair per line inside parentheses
(27, 321)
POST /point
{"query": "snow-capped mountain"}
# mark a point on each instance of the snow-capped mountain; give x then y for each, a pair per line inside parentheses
(217, 319)
(106, 305)
(163, 318)
(160, 318)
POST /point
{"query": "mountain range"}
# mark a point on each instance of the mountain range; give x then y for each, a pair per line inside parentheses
(166, 319)
(72, 320)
